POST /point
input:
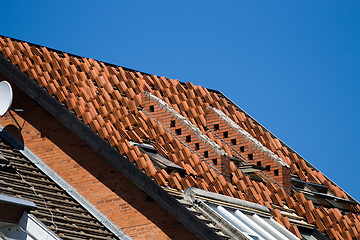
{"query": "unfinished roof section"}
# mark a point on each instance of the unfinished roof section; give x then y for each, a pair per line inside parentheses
(108, 99)
(102, 147)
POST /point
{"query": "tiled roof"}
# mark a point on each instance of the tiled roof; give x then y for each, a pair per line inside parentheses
(198, 129)
(55, 208)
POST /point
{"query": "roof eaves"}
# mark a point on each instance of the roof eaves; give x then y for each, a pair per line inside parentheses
(104, 149)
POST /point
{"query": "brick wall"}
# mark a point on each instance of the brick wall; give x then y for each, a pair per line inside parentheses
(100, 183)
(185, 134)
(239, 146)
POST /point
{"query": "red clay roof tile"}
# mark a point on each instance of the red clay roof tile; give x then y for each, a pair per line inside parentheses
(107, 99)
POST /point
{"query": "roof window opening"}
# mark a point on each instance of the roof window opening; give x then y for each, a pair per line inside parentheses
(172, 123)
(214, 161)
(216, 127)
(308, 233)
(321, 195)
(233, 141)
(152, 108)
(188, 138)
(159, 161)
(206, 154)
(226, 134)
(250, 171)
(242, 149)
(267, 167)
(320, 188)
(258, 163)
(276, 172)
(197, 146)
(178, 131)
(250, 156)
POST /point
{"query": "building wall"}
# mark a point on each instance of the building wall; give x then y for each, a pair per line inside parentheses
(92, 176)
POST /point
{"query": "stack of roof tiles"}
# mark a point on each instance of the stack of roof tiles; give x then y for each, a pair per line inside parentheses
(125, 106)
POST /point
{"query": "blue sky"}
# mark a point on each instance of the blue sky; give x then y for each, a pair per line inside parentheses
(292, 65)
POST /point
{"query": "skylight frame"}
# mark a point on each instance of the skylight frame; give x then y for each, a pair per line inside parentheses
(236, 223)
(252, 225)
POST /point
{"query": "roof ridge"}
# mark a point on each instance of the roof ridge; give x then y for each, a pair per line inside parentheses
(75, 55)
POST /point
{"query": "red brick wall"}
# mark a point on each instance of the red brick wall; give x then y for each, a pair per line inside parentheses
(239, 145)
(173, 124)
(100, 183)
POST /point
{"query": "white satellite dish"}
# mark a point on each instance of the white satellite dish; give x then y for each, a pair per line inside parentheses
(6, 97)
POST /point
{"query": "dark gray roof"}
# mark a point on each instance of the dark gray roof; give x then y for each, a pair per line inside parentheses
(55, 208)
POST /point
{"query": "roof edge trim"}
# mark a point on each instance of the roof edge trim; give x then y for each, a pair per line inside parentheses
(17, 201)
(190, 193)
(64, 185)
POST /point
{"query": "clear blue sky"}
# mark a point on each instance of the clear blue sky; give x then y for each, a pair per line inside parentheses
(292, 65)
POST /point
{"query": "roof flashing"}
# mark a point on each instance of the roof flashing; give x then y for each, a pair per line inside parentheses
(191, 193)
(17, 201)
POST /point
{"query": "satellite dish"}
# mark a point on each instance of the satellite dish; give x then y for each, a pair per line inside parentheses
(6, 97)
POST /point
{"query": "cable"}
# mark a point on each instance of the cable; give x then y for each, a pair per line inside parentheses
(33, 188)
